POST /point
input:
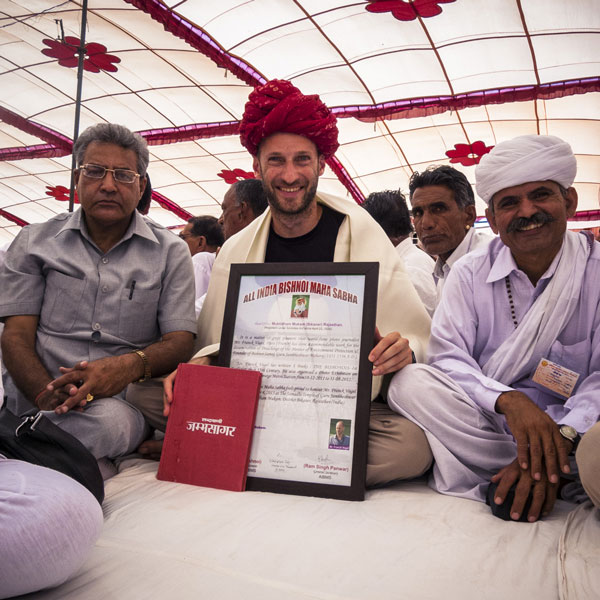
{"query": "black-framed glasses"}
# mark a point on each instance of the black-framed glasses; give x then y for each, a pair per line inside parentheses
(98, 172)
(183, 236)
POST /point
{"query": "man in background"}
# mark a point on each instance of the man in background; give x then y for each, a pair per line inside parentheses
(389, 209)
(204, 236)
(443, 210)
(244, 201)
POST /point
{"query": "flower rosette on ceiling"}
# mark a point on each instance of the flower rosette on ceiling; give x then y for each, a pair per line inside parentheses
(405, 10)
(235, 175)
(468, 154)
(96, 59)
(60, 192)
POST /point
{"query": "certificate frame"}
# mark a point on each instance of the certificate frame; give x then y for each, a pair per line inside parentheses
(354, 489)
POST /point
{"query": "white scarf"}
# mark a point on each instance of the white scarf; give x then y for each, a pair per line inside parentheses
(531, 340)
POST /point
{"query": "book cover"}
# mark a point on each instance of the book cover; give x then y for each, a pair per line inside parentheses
(210, 427)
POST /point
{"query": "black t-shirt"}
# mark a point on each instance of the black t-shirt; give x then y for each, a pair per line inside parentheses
(318, 245)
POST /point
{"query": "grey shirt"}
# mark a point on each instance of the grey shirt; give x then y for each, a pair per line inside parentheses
(91, 304)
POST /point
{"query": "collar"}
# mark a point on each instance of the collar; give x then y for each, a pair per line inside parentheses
(137, 226)
(443, 267)
(504, 264)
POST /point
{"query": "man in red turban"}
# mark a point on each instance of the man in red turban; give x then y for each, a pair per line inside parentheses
(290, 136)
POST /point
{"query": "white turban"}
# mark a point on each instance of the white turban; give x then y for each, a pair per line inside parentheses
(523, 159)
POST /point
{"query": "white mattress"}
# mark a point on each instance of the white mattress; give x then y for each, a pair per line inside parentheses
(172, 541)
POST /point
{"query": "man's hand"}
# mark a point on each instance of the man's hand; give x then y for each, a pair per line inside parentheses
(390, 353)
(169, 382)
(21, 359)
(110, 375)
(49, 399)
(543, 493)
(101, 378)
(538, 438)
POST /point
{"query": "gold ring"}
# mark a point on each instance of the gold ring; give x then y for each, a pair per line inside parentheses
(89, 398)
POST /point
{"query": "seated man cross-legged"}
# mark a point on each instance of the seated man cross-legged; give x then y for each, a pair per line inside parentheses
(514, 379)
(290, 136)
(96, 299)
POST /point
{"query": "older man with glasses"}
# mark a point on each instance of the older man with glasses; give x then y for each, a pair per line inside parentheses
(96, 299)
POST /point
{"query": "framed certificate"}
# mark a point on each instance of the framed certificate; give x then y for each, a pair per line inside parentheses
(308, 328)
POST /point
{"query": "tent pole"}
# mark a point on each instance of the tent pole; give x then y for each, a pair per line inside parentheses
(81, 56)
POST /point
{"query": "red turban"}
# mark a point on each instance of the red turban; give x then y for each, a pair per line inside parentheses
(279, 107)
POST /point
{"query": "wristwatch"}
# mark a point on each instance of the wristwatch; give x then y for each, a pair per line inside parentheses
(147, 371)
(570, 433)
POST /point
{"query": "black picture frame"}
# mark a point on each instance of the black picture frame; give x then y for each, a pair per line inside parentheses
(360, 427)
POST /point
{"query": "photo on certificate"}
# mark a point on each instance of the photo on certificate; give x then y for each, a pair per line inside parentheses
(308, 328)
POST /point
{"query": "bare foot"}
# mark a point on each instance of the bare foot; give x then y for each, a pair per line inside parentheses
(151, 449)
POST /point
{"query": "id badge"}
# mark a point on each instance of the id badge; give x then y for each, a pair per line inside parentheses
(555, 378)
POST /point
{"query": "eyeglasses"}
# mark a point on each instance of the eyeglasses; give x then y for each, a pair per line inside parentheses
(98, 172)
(183, 236)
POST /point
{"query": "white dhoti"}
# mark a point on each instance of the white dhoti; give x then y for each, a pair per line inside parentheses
(470, 445)
(49, 524)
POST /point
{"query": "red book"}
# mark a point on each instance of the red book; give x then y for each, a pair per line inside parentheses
(210, 426)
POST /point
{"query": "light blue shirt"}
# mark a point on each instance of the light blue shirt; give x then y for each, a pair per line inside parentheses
(474, 318)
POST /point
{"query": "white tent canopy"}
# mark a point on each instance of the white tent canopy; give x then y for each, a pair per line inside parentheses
(413, 83)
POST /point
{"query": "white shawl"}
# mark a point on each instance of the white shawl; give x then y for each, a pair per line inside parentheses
(519, 354)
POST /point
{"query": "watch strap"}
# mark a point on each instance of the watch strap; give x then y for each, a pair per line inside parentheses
(147, 370)
(574, 439)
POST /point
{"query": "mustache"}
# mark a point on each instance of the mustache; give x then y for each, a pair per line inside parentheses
(539, 218)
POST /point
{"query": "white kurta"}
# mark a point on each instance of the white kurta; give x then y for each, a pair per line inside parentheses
(453, 401)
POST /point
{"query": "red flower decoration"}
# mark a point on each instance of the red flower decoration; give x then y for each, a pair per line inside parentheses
(235, 175)
(407, 11)
(60, 192)
(468, 154)
(95, 60)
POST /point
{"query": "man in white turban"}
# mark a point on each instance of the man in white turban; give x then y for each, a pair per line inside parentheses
(514, 381)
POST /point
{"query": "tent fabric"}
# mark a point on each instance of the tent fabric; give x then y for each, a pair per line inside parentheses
(412, 83)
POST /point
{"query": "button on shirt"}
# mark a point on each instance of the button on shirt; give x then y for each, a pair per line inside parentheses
(90, 304)
(474, 318)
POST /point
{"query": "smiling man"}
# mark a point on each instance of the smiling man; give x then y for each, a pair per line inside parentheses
(96, 299)
(443, 209)
(290, 136)
(515, 345)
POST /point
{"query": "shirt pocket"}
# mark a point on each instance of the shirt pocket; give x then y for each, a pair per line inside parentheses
(138, 315)
(62, 299)
(573, 356)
